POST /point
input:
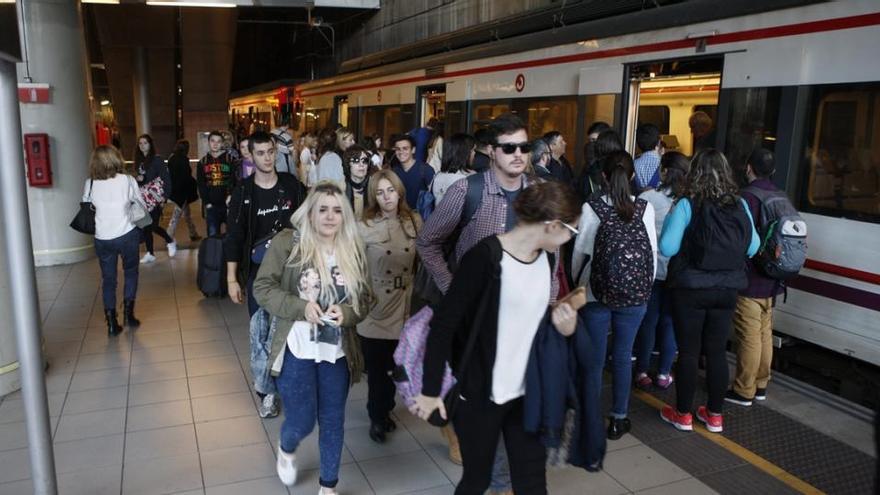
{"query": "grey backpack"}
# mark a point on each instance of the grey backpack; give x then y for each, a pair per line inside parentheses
(783, 232)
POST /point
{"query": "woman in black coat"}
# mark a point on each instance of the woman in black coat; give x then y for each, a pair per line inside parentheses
(184, 190)
(148, 167)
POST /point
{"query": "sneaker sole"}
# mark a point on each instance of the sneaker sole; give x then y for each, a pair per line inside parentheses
(743, 403)
(761, 397)
(713, 429)
(679, 427)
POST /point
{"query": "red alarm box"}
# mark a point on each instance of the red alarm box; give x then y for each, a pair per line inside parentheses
(39, 165)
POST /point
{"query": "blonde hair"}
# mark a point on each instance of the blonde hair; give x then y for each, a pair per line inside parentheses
(404, 212)
(105, 163)
(348, 248)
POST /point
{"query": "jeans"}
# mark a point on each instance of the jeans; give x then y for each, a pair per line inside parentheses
(182, 211)
(703, 320)
(154, 227)
(478, 428)
(251, 302)
(624, 323)
(311, 391)
(656, 324)
(379, 362)
(108, 251)
(215, 215)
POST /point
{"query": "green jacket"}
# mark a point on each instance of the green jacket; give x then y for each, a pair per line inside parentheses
(275, 290)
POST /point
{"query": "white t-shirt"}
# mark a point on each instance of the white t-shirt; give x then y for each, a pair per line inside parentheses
(306, 165)
(519, 313)
(662, 203)
(317, 342)
(110, 198)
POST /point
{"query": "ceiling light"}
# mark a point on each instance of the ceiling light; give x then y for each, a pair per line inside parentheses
(190, 3)
(105, 103)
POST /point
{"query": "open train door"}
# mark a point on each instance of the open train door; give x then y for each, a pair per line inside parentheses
(432, 103)
(340, 110)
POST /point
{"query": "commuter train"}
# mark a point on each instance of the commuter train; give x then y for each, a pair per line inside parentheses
(796, 80)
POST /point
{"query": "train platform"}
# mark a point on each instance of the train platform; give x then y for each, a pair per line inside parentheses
(167, 409)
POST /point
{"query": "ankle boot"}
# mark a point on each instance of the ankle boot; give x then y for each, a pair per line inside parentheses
(113, 327)
(452, 440)
(128, 318)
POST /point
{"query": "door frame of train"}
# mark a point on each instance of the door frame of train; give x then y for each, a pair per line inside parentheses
(338, 100)
(420, 92)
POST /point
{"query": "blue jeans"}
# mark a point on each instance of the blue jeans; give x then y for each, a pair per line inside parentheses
(657, 324)
(214, 217)
(251, 302)
(311, 391)
(108, 251)
(624, 323)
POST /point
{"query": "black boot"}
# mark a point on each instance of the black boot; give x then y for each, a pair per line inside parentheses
(377, 432)
(618, 427)
(113, 328)
(128, 318)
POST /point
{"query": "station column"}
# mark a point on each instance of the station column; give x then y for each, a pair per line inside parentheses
(55, 54)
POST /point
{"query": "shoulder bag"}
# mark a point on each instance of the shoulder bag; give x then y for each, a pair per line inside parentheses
(84, 221)
(137, 210)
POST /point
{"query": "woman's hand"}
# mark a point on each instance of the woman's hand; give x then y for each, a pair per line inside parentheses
(313, 313)
(235, 292)
(425, 406)
(564, 318)
(335, 312)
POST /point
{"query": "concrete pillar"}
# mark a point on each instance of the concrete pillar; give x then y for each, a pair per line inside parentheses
(56, 55)
(10, 375)
(140, 79)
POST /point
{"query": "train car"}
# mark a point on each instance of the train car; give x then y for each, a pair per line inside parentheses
(798, 81)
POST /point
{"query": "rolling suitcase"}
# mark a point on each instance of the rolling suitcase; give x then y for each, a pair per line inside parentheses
(211, 277)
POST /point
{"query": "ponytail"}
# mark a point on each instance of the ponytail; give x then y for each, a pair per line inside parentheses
(618, 170)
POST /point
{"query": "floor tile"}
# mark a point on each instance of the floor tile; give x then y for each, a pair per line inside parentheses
(440, 490)
(153, 392)
(12, 410)
(91, 380)
(223, 406)
(160, 415)
(351, 481)
(403, 473)
(212, 365)
(90, 424)
(103, 361)
(149, 340)
(690, 486)
(227, 433)
(157, 372)
(96, 481)
(208, 349)
(164, 442)
(159, 476)
(204, 386)
(14, 465)
(640, 467)
(13, 436)
(23, 487)
(88, 453)
(158, 325)
(154, 355)
(200, 335)
(96, 400)
(224, 466)
(263, 486)
(577, 481)
(362, 447)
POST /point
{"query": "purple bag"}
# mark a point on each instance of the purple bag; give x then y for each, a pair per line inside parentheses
(409, 358)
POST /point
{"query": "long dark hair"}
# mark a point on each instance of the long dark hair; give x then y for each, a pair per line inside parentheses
(326, 141)
(710, 178)
(456, 153)
(181, 147)
(140, 158)
(675, 167)
(617, 170)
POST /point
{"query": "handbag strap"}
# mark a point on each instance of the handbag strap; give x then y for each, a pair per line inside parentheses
(91, 184)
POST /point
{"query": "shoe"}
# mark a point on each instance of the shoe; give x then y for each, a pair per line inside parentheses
(735, 398)
(286, 467)
(377, 432)
(454, 448)
(714, 422)
(128, 318)
(148, 258)
(683, 422)
(618, 428)
(663, 381)
(269, 406)
(390, 425)
(643, 381)
(761, 394)
(327, 491)
(113, 328)
(172, 249)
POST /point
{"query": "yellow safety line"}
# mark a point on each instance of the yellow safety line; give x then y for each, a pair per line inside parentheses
(741, 452)
(9, 368)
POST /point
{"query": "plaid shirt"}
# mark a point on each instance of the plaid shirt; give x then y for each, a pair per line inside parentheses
(646, 166)
(489, 219)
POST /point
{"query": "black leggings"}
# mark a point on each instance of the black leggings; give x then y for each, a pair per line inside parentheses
(155, 228)
(703, 320)
(478, 428)
(379, 362)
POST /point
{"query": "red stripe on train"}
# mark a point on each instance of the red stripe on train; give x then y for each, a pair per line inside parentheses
(842, 271)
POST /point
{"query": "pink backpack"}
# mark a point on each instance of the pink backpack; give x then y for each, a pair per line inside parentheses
(409, 358)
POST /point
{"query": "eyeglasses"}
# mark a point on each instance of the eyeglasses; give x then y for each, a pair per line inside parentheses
(365, 160)
(571, 229)
(510, 148)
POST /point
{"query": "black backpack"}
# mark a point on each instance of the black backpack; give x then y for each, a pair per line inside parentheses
(718, 236)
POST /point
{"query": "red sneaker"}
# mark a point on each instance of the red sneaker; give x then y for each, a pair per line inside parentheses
(714, 422)
(683, 422)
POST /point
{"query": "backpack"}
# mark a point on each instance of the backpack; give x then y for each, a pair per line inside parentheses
(622, 272)
(718, 237)
(783, 233)
(426, 201)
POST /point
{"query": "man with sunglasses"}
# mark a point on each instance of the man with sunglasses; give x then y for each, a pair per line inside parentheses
(477, 207)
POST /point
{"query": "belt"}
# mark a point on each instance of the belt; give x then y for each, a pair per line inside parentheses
(398, 282)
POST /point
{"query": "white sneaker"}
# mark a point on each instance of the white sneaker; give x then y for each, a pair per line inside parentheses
(148, 258)
(286, 466)
(327, 491)
(172, 249)
(269, 406)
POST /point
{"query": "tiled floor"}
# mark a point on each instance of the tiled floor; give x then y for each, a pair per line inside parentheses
(167, 409)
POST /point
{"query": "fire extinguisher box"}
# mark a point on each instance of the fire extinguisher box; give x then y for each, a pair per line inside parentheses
(39, 165)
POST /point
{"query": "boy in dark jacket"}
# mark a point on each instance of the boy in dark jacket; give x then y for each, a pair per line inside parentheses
(214, 177)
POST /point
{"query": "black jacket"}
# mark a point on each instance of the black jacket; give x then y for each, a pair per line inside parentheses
(242, 219)
(153, 168)
(184, 189)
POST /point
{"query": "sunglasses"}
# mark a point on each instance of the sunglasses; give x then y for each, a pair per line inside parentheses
(365, 160)
(571, 229)
(510, 148)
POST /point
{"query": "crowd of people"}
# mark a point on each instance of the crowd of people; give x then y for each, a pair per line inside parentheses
(339, 241)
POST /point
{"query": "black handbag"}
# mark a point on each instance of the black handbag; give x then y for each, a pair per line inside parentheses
(84, 221)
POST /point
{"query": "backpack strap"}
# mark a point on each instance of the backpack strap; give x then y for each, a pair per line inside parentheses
(601, 208)
(473, 198)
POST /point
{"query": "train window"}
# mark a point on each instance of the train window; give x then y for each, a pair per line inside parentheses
(316, 119)
(485, 111)
(392, 124)
(600, 108)
(655, 114)
(371, 120)
(842, 148)
(456, 117)
(556, 114)
(752, 123)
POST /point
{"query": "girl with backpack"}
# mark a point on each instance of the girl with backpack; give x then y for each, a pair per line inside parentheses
(615, 256)
(708, 234)
(657, 323)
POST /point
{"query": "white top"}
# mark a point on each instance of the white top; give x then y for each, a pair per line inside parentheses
(330, 168)
(306, 166)
(662, 203)
(435, 154)
(583, 244)
(310, 341)
(376, 159)
(442, 181)
(519, 314)
(111, 198)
